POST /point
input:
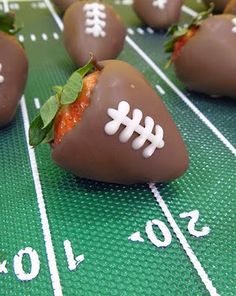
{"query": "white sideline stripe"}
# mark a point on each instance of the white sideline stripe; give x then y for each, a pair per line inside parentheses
(160, 89)
(54, 14)
(187, 248)
(201, 116)
(189, 11)
(42, 209)
(37, 103)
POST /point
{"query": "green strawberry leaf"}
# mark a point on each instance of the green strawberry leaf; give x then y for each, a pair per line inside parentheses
(176, 32)
(72, 89)
(42, 127)
(49, 110)
(50, 136)
(74, 85)
(7, 23)
(36, 132)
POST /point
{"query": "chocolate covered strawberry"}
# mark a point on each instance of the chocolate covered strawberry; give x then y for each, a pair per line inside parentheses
(158, 14)
(62, 5)
(91, 26)
(13, 69)
(230, 7)
(204, 54)
(219, 5)
(110, 125)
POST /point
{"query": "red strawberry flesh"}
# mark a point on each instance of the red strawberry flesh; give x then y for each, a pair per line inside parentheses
(70, 115)
(180, 43)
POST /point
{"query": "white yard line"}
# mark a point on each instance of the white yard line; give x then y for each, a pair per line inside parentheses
(56, 285)
(189, 11)
(187, 248)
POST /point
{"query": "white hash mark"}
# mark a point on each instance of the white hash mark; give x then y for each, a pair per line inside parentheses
(95, 19)
(119, 117)
(72, 261)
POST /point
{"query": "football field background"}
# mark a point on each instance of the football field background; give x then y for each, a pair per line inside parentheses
(61, 235)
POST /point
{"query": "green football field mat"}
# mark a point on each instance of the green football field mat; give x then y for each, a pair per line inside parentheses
(62, 235)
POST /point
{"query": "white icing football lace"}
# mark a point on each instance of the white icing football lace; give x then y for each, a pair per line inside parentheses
(234, 25)
(1, 77)
(160, 3)
(95, 19)
(120, 117)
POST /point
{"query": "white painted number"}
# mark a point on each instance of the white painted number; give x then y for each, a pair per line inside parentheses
(72, 261)
(194, 217)
(18, 265)
(3, 268)
(165, 231)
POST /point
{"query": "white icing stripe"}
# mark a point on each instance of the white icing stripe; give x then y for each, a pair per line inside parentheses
(194, 217)
(42, 209)
(197, 265)
(161, 4)
(181, 95)
(95, 19)
(234, 25)
(1, 76)
(119, 117)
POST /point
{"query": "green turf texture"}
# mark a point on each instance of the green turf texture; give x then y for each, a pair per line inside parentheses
(98, 218)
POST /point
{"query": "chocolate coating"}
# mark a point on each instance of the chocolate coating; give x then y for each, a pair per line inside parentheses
(79, 43)
(62, 5)
(14, 70)
(89, 152)
(158, 17)
(207, 63)
(231, 7)
(219, 5)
